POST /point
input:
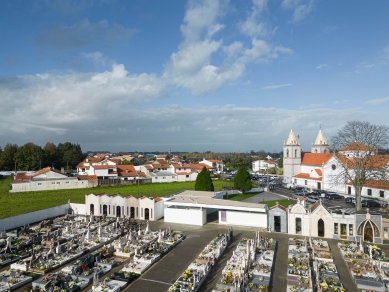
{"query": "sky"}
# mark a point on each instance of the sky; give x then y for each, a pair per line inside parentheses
(220, 76)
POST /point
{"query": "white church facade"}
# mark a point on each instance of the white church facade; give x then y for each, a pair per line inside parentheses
(317, 169)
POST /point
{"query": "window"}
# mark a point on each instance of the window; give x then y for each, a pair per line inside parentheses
(298, 225)
(287, 152)
(369, 192)
(315, 150)
(53, 183)
(109, 209)
(39, 184)
(343, 229)
(350, 229)
(295, 153)
(349, 190)
(325, 151)
(306, 182)
(187, 176)
(156, 177)
(336, 230)
(67, 182)
(172, 176)
(382, 194)
(333, 166)
(58, 182)
(164, 177)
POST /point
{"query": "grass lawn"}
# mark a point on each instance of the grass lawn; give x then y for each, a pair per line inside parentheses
(12, 204)
(284, 203)
(240, 197)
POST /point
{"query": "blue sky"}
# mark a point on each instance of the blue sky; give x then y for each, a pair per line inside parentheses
(190, 76)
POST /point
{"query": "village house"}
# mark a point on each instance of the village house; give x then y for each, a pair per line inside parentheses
(50, 179)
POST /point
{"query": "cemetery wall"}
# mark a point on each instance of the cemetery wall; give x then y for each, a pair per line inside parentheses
(185, 216)
(32, 217)
(79, 209)
(245, 219)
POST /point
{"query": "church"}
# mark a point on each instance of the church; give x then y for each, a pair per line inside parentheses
(317, 169)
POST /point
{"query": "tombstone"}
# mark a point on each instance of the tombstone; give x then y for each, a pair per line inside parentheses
(147, 227)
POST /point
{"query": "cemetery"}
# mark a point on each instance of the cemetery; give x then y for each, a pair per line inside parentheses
(198, 270)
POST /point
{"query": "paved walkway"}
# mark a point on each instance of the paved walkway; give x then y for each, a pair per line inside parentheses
(265, 196)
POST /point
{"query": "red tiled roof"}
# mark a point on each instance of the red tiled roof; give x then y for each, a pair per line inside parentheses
(41, 171)
(314, 206)
(149, 167)
(21, 177)
(126, 170)
(94, 159)
(279, 206)
(157, 199)
(183, 173)
(115, 160)
(376, 184)
(315, 158)
(355, 146)
(306, 176)
(319, 172)
(104, 166)
(214, 160)
(87, 177)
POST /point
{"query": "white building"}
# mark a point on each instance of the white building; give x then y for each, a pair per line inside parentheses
(263, 165)
(142, 208)
(50, 179)
(192, 207)
(215, 165)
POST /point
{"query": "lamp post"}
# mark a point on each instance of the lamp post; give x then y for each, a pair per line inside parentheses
(267, 180)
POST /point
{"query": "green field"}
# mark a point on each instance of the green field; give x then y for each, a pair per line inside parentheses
(12, 204)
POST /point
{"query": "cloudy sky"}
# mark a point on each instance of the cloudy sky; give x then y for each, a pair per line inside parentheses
(191, 76)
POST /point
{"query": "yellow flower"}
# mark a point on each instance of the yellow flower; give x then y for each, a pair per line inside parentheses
(324, 284)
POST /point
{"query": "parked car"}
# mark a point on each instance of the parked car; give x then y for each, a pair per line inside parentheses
(370, 203)
(350, 200)
(312, 199)
(298, 195)
(333, 196)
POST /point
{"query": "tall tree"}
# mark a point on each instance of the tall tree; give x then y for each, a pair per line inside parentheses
(204, 181)
(50, 155)
(8, 156)
(29, 157)
(242, 180)
(280, 162)
(72, 157)
(360, 163)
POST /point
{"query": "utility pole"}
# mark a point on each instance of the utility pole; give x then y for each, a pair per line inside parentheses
(138, 185)
(15, 167)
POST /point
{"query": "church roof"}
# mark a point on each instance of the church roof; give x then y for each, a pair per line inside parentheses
(291, 138)
(320, 140)
(315, 158)
(355, 146)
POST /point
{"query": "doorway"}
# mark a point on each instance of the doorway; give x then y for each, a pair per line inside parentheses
(147, 216)
(319, 186)
(105, 210)
(320, 228)
(92, 209)
(368, 232)
(118, 211)
(277, 223)
(132, 212)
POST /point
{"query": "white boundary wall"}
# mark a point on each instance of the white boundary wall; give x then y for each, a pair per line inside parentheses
(185, 216)
(78, 208)
(244, 219)
(36, 216)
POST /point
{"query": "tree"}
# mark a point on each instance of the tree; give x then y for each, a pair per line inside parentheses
(50, 155)
(8, 156)
(29, 157)
(280, 162)
(357, 145)
(204, 181)
(242, 180)
(72, 157)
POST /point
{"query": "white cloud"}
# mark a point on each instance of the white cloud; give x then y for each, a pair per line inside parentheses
(301, 8)
(56, 102)
(277, 86)
(377, 101)
(322, 66)
(191, 66)
(252, 26)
